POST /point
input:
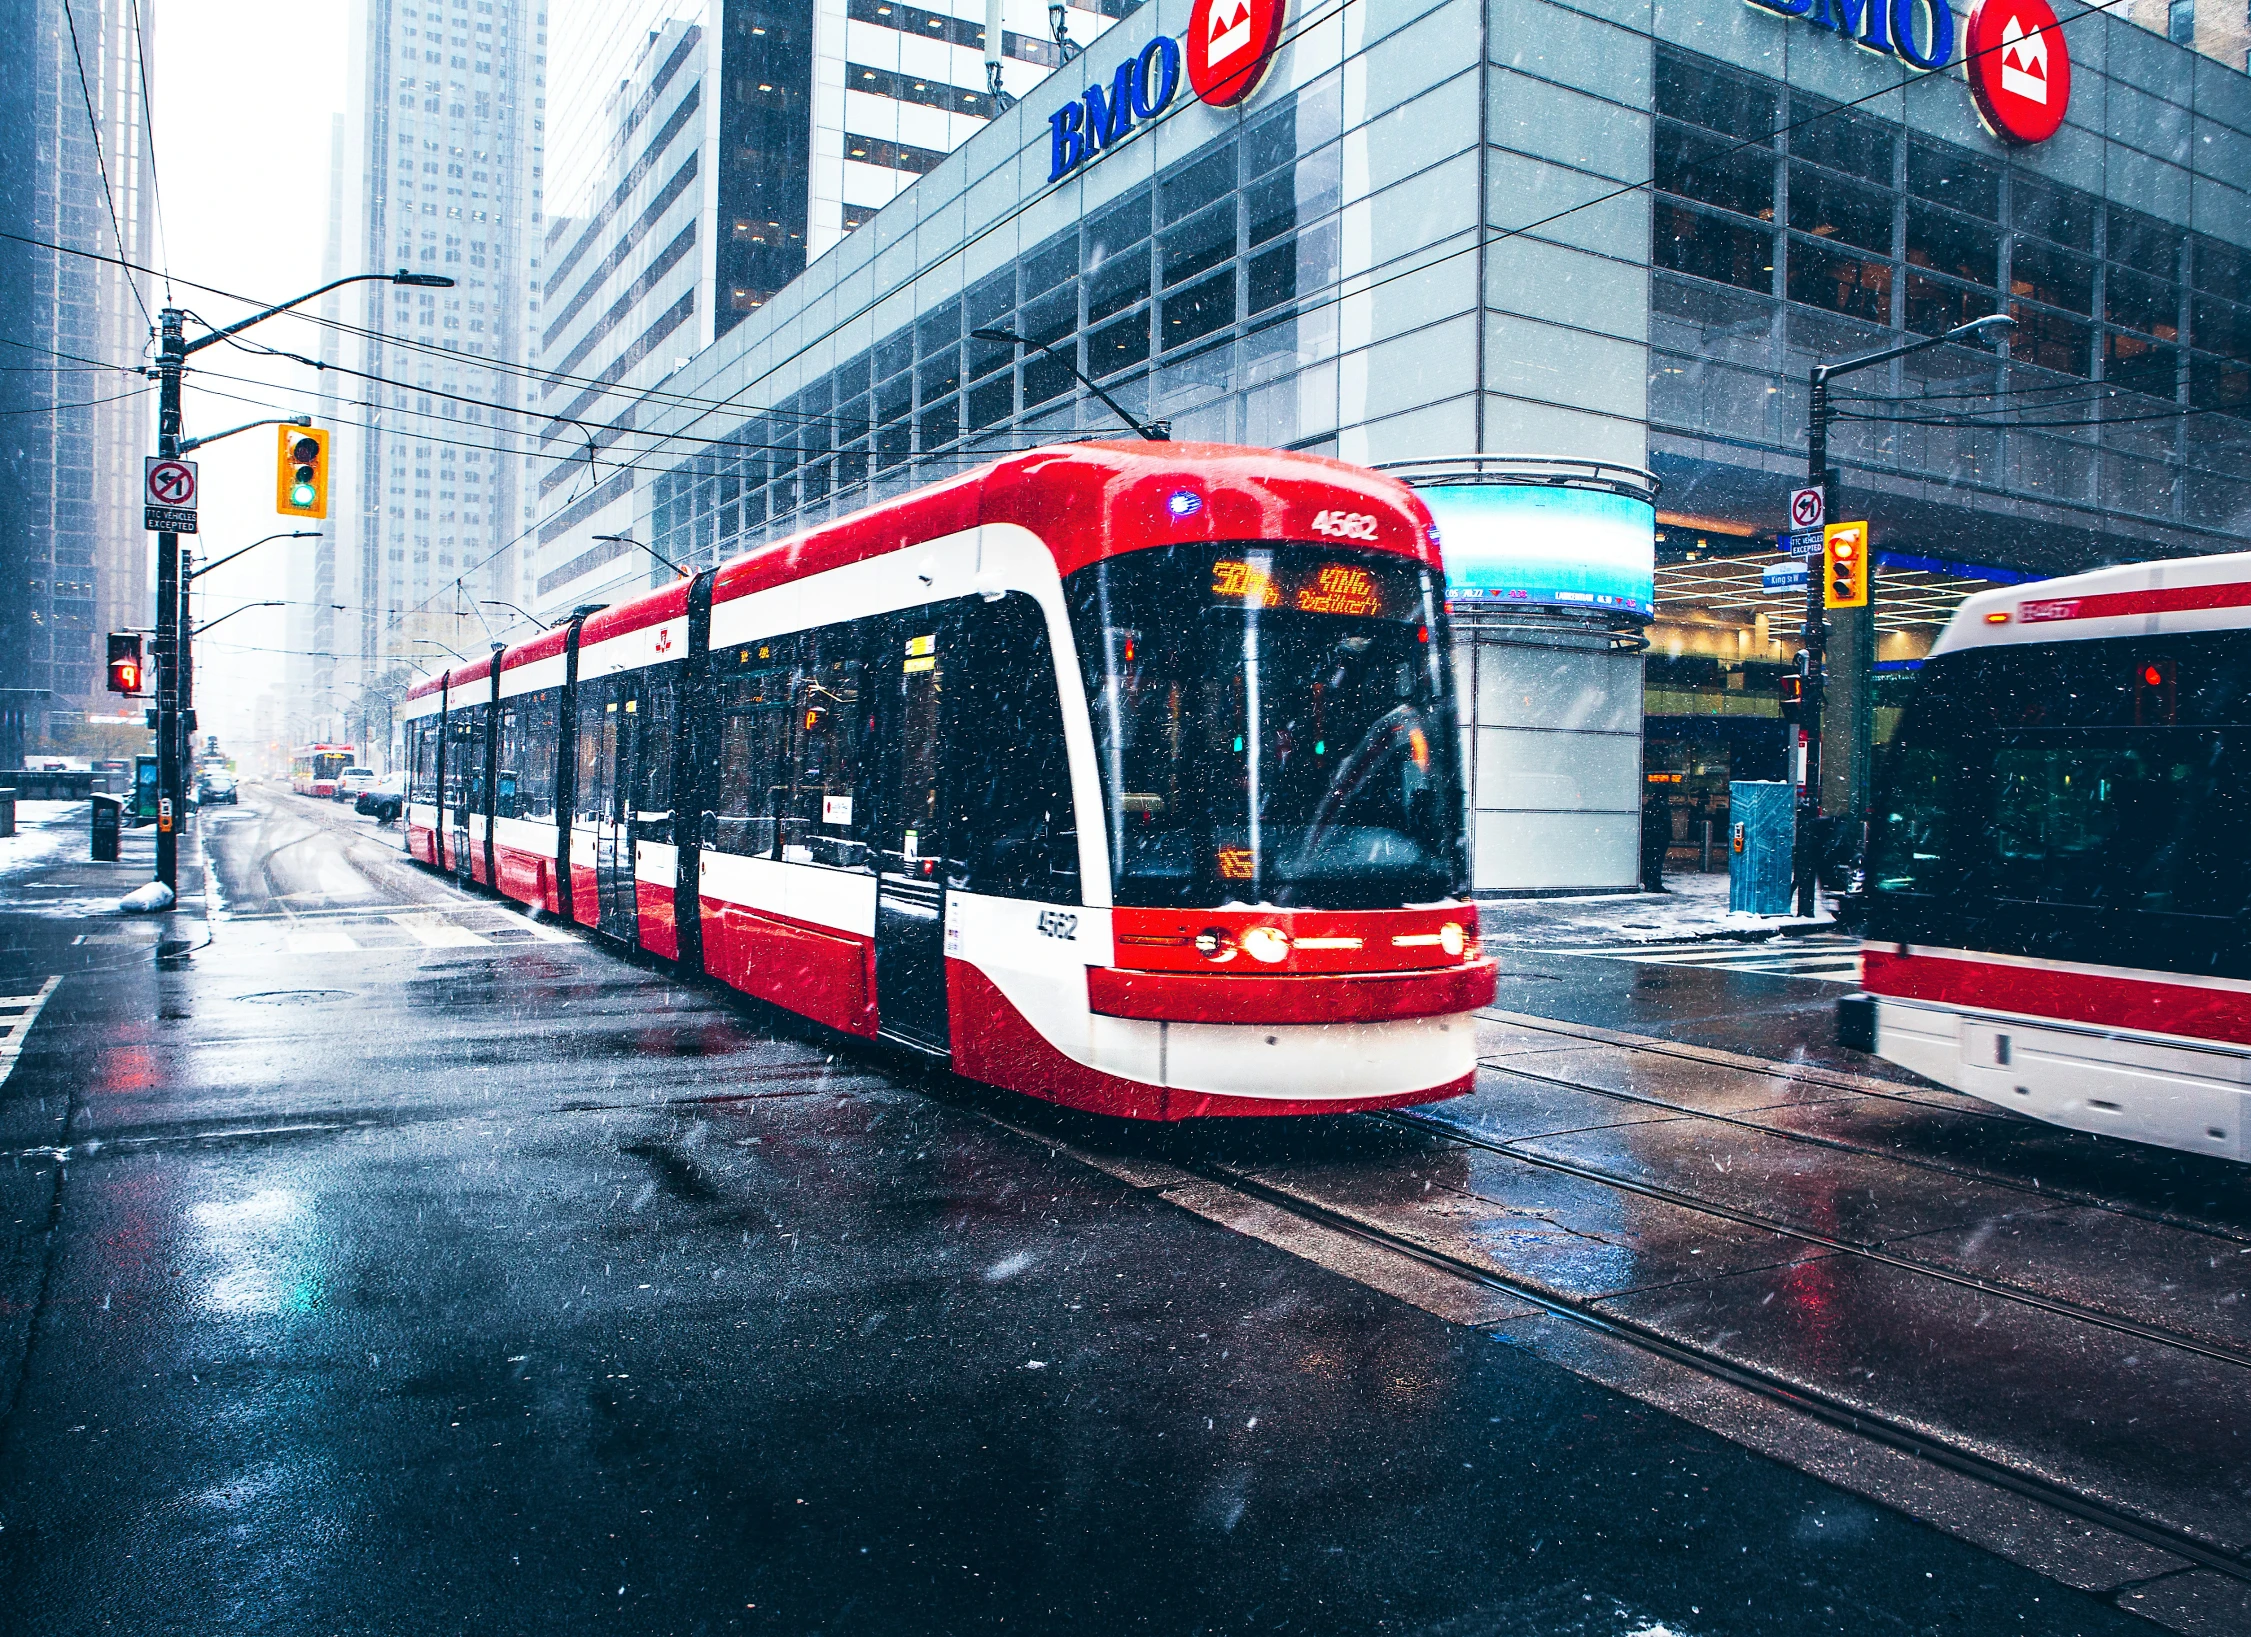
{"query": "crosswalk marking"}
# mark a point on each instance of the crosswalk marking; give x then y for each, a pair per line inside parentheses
(439, 933)
(17, 1014)
(1822, 957)
(322, 943)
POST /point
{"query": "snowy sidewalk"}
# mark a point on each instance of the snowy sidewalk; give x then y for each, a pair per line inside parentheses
(1693, 907)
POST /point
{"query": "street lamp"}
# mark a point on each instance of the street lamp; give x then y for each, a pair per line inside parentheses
(1803, 860)
(173, 350)
(628, 540)
(496, 602)
(191, 574)
(1154, 431)
(232, 612)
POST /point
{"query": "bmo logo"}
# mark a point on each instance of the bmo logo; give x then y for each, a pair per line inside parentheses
(2012, 52)
(1229, 44)
(2020, 74)
(1225, 53)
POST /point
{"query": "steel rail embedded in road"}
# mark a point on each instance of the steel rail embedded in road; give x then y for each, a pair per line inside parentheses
(1858, 1088)
(1806, 1400)
(2140, 1330)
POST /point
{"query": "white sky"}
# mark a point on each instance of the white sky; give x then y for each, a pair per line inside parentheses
(241, 103)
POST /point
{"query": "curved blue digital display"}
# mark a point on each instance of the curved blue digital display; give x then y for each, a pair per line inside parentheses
(1539, 547)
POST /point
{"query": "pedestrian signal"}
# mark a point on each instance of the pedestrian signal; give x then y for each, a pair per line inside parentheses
(1844, 564)
(301, 472)
(1790, 689)
(124, 662)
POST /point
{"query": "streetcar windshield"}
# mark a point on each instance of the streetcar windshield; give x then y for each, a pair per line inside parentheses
(2081, 800)
(1274, 725)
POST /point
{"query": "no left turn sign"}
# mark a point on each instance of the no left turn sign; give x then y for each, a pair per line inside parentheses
(170, 482)
(1806, 508)
(168, 495)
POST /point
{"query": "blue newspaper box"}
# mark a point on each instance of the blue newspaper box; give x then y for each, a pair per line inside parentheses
(1760, 825)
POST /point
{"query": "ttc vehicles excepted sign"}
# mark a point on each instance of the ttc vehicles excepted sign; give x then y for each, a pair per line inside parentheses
(168, 495)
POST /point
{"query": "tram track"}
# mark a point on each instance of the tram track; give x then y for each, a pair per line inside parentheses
(2138, 1329)
(1986, 1176)
(1824, 1407)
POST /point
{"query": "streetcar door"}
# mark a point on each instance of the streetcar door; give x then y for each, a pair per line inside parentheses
(910, 843)
(613, 834)
(465, 784)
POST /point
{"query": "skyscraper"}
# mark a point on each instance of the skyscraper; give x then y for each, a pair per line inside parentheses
(442, 174)
(80, 185)
(715, 150)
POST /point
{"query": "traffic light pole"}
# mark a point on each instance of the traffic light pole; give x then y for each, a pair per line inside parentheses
(1813, 644)
(172, 643)
(1805, 847)
(171, 358)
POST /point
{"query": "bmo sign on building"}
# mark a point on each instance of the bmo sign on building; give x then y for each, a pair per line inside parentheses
(1226, 49)
(2013, 51)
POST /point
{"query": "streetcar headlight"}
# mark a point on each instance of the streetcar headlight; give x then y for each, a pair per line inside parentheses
(1214, 945)
(1267, 943)
(1452, 939)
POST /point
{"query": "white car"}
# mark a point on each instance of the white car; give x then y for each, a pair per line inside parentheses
(354, 782)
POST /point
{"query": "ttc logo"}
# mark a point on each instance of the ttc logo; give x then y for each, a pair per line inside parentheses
(1228, 45)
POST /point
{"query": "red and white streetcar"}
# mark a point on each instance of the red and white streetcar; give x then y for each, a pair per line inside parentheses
(314, 769)
(1120, 775)
(2060, 860)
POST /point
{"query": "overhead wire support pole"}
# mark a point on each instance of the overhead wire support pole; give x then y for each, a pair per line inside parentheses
(172, 637)
(1805, 841)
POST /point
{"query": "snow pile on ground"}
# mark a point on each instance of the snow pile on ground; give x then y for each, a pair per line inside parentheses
(1693, 906)
(45, 832)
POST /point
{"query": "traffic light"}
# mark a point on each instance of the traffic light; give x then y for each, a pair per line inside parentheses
(1790, 689)
(124, 662)
(301, 472)
(1844, 565)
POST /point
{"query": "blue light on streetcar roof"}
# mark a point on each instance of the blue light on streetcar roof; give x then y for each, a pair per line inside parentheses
(1184, 503)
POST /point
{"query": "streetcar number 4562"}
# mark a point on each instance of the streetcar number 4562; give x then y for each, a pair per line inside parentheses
(1345, 525)
(1055, 924)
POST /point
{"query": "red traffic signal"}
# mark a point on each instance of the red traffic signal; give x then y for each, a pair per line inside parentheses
(125, 662)
(1790, 690)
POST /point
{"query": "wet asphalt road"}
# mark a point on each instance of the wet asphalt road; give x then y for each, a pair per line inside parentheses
(424, 1284)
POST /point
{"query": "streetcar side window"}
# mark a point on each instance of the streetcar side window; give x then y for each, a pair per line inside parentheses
(1017, 836)
(652, 778)
(823, 818)
(422, 760)
(596, 750)
(751, 687)
(528, 754)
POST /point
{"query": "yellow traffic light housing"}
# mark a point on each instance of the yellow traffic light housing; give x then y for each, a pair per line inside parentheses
(301, 471)
(1844, 565)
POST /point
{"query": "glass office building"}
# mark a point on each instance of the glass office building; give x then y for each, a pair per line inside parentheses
(1611, 233)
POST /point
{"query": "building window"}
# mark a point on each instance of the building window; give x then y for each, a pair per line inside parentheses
(2180, 22)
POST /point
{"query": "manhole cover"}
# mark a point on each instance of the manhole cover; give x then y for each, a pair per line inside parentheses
(296, 997)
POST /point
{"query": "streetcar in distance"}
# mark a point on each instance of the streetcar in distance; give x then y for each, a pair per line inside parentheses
(315, 769)
(2059, 883)
(1124, 776)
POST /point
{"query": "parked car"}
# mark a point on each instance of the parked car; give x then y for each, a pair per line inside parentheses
(385, 801)
(215, 788)
(354, 782)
